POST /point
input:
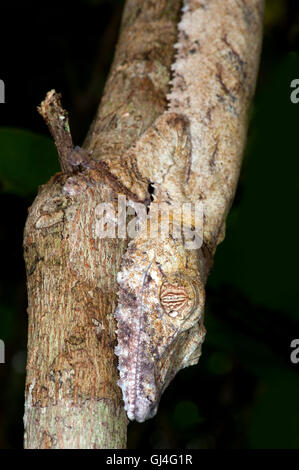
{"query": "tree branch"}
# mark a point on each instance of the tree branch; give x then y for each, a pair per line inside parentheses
(72, 399)
(190, 153)
(57, 120)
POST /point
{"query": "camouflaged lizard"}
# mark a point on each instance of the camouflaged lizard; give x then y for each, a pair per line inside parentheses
(191, 153)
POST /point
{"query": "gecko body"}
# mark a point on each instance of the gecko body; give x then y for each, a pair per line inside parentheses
(191, 153)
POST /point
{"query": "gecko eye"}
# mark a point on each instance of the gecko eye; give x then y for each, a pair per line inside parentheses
(178, 296)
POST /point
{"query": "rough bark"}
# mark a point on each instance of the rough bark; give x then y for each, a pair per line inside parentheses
(72, 399)
(191, 153)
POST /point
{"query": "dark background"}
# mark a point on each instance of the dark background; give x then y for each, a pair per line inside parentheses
(244, 391)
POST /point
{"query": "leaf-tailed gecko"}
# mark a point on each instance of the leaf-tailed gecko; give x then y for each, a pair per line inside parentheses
(191, 153)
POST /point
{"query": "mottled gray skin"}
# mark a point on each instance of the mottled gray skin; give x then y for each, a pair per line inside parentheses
(160, 320)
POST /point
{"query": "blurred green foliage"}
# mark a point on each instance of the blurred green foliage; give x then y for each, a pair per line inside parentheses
(243, 392)
(25, 153)
(274, 423)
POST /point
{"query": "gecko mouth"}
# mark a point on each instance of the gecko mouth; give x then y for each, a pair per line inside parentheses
(143, 411)
(143, 403)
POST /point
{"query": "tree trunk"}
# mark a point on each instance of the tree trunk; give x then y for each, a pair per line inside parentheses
(72, 399)
(191, 153)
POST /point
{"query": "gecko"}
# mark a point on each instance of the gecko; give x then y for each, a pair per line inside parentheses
(191, 153)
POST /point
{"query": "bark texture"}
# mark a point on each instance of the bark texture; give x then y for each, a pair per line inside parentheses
(190, 153)
(72, 399)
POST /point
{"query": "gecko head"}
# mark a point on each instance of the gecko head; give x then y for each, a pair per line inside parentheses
(159, 315)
